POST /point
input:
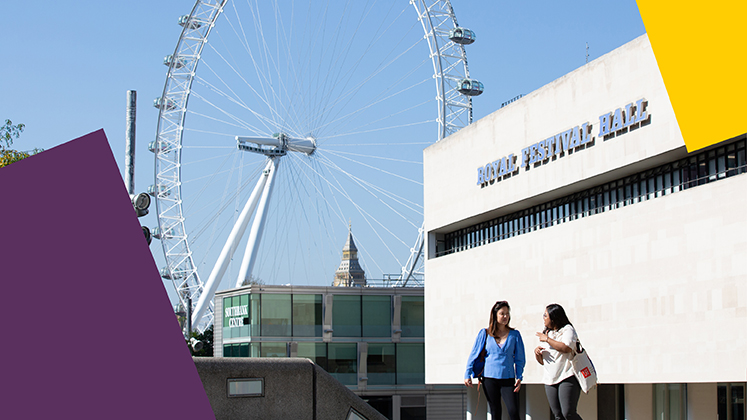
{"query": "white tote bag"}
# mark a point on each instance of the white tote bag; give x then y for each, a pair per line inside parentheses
(583, 368)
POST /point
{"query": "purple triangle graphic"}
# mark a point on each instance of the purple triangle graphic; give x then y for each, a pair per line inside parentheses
(90, 332)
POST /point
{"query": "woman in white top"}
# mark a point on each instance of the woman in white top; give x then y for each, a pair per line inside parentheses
(555, 352)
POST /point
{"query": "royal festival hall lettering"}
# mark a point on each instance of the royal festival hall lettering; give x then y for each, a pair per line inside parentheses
(577, 138)
(236, 315)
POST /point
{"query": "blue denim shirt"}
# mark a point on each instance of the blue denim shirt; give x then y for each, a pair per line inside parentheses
(500, 363)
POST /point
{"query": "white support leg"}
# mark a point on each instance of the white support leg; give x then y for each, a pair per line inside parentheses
(415, 254)
(255, 235)
(216, 275)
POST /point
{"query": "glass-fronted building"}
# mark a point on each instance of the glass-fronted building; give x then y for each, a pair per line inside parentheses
(369, 338)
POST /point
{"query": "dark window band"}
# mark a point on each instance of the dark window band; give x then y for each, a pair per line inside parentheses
(698, 169)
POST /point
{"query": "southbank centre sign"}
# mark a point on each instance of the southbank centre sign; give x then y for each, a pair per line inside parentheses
(580, 137)
(235, 315)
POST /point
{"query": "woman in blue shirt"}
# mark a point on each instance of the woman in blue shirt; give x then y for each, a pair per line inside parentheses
(504, 362)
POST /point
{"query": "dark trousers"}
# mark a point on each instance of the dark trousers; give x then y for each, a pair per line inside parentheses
(563, 399)
(497, 388)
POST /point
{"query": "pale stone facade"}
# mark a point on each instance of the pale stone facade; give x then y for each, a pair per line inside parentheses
(657, 291)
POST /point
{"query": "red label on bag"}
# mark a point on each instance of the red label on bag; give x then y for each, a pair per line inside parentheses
(585, 372)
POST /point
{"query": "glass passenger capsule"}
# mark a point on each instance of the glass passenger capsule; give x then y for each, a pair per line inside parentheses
(462, 36)
(167, 275)
(156, 233)
(178, 62)
(188, 23)
(470, 87)
(168, 104)
(160, 190)
(157, 145)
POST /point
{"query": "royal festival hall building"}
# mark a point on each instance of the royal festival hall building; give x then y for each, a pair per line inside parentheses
(582, 193)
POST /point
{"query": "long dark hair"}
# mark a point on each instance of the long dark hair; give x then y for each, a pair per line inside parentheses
(558, 318)
(493, 324)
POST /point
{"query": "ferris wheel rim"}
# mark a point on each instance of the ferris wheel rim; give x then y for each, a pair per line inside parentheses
(180, 266)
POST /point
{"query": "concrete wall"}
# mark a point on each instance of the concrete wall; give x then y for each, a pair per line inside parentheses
(636, 281)
(293, 389)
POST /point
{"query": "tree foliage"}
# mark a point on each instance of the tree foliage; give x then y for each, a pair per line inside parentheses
(253, 281)
(8, 133)
(8, 156)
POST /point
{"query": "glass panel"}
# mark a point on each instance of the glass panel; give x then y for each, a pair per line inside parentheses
(226, 328)
(675, 402)
(412, 413)
(254, 318)
(254, 350)
(317, 352)
(659, 187)
(273, 350)
(660, 401)
(413, 316)
(235, 316)
(381, 364)
(721, 163)
(651, 187)
(731, 160)
(343, 362)
(410, 363)
(276, 315)
(702, 170)
(377, 316)
(236, 350)
(381, 404)
(722, 402)
(737, 402)
(592, 204)
(245, 387)
(346, 316)
(243, 330)
(711, 167)
(628, 194)
(307, 315)
(606, 199)
(243, 350)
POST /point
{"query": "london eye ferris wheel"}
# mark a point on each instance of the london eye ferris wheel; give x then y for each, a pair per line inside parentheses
(281, 121)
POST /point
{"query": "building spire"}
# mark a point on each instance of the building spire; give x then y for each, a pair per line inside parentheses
(350, 273)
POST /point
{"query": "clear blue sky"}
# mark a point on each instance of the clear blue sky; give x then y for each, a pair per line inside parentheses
(67, 67)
